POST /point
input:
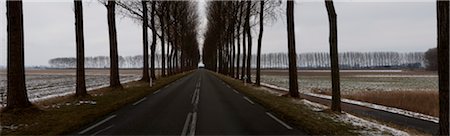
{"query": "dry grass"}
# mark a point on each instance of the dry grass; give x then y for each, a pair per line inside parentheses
(62, 115)
(426, 102)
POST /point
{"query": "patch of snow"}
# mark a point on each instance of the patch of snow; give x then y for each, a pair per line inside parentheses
(274, 87)
(312, 105)
(271, 91)
(370, 105)
(369, 127)
(87, 102)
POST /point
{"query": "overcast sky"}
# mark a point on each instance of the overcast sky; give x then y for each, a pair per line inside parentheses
(401, 26)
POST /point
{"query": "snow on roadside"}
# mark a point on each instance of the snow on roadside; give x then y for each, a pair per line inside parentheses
(368, 127)
(369, 105)
(383, 108)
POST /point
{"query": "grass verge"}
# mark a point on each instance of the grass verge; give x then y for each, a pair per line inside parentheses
(66, 114)
(312, 122)
(425, 102)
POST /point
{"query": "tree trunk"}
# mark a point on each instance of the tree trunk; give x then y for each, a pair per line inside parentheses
(114, 56)
(249, 42)
(443, 59)
(293, 83)
(153, 47)
(239, 42)
(336, 91)
(233, 60)
(258, 55)
(244, 53)
(238, 54)
(145, 75)
(81, 80)
(17, 93)
(163, 58)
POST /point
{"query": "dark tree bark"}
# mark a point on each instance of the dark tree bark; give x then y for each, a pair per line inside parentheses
(293, 83)
(443, 59)
(145, 75)
(114, 56)
(238, 35)
(249, 42)
(258, 55)
(153, 47)
(17, 92)
(163, 58)
(336, 91)
(238, 54)
(81, 79)
(244, 52)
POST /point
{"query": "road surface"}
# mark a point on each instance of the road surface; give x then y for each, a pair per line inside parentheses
(198, 104)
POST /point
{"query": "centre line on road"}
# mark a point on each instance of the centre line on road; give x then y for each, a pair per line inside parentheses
(197, 98)
(135, 103)
(250, 101)
(279, 121)
(95, 125)
(186, 124)
(98, 132)
(193, 124)
(194, 96)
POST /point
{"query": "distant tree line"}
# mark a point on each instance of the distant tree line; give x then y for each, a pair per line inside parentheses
(313, 60)
(103, 62)
(349, 60)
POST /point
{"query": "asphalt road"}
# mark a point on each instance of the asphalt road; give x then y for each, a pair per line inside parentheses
(198, 104)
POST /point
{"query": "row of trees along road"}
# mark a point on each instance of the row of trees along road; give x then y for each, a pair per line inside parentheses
(174, 23)
(228, 21)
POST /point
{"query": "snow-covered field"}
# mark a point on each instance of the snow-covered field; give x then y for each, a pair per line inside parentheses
(361, 81)
(43, 84)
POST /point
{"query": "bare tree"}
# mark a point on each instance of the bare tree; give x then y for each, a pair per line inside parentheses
(336, 92)
(249, 42)
(431, 59)
(113, 53)
(153, 47)
(145, 75)
(162, 23)
(17, 93)
(443, 59)
(293, 83)
(258, 55)
(81, 79)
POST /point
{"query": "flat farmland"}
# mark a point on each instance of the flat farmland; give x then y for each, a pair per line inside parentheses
(356, 80)
(409, 90)
(42, 84)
